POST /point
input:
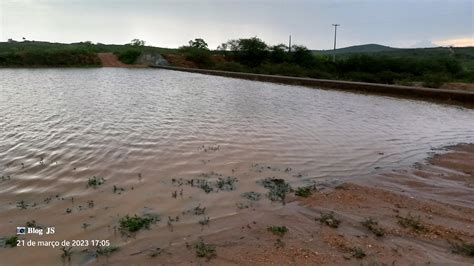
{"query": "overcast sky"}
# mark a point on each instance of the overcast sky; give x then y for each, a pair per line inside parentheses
(172, 23)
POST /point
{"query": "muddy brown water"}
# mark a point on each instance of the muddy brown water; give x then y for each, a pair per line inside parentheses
(141, 128)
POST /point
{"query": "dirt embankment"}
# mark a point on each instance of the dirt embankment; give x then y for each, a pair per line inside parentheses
(423, 215)
(111, 60)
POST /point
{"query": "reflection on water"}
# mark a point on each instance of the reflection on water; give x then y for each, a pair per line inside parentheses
(122, 121)
(141, 129)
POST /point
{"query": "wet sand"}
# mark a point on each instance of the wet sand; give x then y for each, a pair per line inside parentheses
(439, 192)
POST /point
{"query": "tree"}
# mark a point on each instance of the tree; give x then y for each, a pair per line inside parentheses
(302, 56)
(278, 53)
(198, 43)
(251, 52)
(137, 42)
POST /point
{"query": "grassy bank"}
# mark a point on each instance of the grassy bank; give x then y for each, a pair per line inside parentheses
(431, 67)
(82, 54)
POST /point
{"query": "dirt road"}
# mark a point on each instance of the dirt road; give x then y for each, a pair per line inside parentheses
(111, 60)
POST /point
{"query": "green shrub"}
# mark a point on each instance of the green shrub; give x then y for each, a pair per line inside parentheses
(329, 219)
(204, 250)
(232, 67)
(135, 223)
(373, 226)
(278, 230)
(129, 56)
(200, 56)
(434, 80)
(303, 192)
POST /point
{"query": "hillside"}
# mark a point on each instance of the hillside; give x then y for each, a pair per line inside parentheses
(365, 48)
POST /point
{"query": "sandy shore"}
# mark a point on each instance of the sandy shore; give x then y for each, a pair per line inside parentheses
(438, 193)
(420, 215)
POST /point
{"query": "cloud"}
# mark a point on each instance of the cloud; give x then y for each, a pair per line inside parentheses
(457, 42)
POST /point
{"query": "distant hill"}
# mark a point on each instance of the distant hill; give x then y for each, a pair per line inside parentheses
(365, 48)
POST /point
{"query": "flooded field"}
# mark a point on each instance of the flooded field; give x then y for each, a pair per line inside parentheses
(82, 148)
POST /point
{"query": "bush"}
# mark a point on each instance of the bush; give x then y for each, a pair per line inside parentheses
(231, 66)
(285, 69)
(129, 56)
(200, 56)
(434, 80)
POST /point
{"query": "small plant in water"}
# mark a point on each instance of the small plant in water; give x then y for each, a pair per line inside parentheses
(95, 181)
(22, 205)
(329, 219)
(411, 222)
(373, 226)
(279, 243)
(463, 248)
(278, 188)
(226, 184)
(199, 211)
(67, 253)
(100, 251)
(303, 192)
(11, 241)
(358, 253)
(118, 190)
(135, 223)
(204, 250)
(204, 221)
(253, 196)
(32, 224)
(278, 230)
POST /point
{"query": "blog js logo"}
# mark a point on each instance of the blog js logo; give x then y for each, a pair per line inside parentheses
(20, 230)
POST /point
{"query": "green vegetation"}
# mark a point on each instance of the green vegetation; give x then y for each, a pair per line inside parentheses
(81, 54)
(95, 181)
(129, 56)
(303, 192)
(277, 187)
(463, 248)
(105, 250)
(67, 254)
(204, 250)
(358, 253)
(329, 219)
(431, 67)
(135, 223)
(373, 226)
(11, 241)
(278, 230)
(411, 222)
(253, 196)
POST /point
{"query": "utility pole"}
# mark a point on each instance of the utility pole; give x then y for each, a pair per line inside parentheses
(289, 45)
(335, 34)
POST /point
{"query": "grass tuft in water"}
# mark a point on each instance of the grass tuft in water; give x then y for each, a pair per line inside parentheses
(303, 192)
(95, 181)
(22, 205)
(278, 230)
(463, 248)
(278, 188)
(329, 219)
(11, 241)
(105, 251)
(412, 222)
(67, 254)
(135, 223)
(204, 250)
(253, 196)
(373, 226)
(358, 253)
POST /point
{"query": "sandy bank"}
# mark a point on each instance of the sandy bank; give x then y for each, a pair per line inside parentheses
(439, 194)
